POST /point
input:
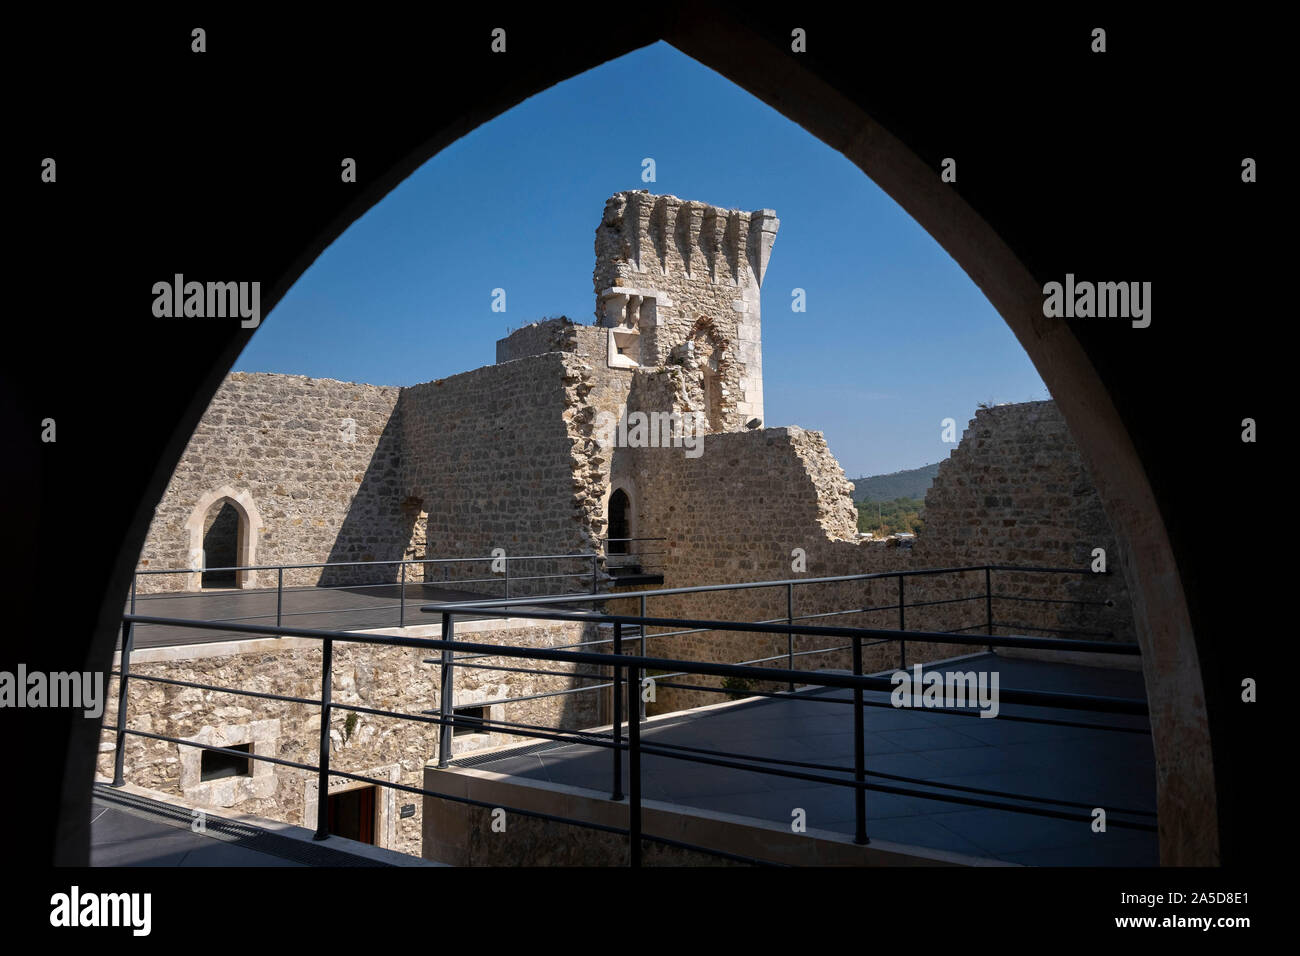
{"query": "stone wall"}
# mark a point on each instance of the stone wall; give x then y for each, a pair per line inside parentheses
(508, 456)
(1014, 492)
(489, 453)
(384, 678)
(501, 457)
(537, 338)
(316, 459)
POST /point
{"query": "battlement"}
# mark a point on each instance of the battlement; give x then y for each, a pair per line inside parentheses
(642, 236)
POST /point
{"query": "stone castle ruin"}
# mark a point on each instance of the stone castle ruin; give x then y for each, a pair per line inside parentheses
(647, 424)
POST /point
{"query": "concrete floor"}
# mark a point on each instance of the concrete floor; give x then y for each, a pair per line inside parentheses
(128, 829)
(1096, 767)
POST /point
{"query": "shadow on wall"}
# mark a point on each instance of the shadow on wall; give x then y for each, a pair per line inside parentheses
(376, 526)
(221, 543)
(388, 517)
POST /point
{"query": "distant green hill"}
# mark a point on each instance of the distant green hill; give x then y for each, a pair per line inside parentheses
(901, 484)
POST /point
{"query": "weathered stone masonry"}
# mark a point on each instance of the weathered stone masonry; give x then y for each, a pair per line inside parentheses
(313, 462)
(506, 456)
(1014, 492)
(384, 678)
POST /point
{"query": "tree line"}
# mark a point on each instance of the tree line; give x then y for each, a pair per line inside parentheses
(891, 517)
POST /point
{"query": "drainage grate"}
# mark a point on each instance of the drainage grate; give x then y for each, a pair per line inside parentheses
(230, 831)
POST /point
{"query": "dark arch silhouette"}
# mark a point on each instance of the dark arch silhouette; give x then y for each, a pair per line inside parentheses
(221, 544)
(1013, 221)
(620, 522)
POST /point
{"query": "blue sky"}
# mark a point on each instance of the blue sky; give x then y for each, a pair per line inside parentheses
(895, 337)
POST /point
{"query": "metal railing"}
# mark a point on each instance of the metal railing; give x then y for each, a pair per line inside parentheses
(401, 580)
(790, 618)
(617, 560)
(626, 680)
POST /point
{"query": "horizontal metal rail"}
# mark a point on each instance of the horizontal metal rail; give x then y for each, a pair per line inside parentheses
(401, 582)
(790, 655)
(521, 670)
(395, 585)
(751, 585)
(683, 753)
(1063, 630)
(1087, 702)
(928, 637)
(952, 712)
(1033, 600)
(659, 678)
(627, 668)
(585, 555)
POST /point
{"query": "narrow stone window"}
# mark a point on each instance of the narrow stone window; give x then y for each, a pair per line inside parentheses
(215, 765)
(470, 720)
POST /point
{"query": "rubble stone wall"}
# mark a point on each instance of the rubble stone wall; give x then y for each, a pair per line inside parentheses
(393, 679)
(773, 504)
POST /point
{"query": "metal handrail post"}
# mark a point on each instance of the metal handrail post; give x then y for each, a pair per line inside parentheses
(446, 694)
(789, 635)
(988, 602)
(641, 673)
(119, 754)
(618, 713)
(633, 783)
(595, 572)
(507, 566)
(323, 767)
(279, 597)
(902, 643)
(401, 613)
(859, 752)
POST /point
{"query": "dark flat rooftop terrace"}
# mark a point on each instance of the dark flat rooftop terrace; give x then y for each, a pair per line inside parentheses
(1097, 768)
(329, 608)
(128, 829)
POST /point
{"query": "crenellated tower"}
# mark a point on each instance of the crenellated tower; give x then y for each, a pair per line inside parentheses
(677, 282)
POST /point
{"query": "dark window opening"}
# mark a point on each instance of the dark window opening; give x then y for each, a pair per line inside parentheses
(711, 384)
(619, 525)
(351, 814)
(217, 765)
(470, 720)
(220, 544)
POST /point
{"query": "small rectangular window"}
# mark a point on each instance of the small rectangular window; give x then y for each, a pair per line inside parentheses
(218, 765)
(470, 720)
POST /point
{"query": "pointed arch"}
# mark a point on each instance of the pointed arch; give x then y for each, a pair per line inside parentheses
(620, 503)
(250, 529)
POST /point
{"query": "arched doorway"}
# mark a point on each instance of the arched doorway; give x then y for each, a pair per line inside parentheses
(221, 529)
(227, 521)
(619, 523)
